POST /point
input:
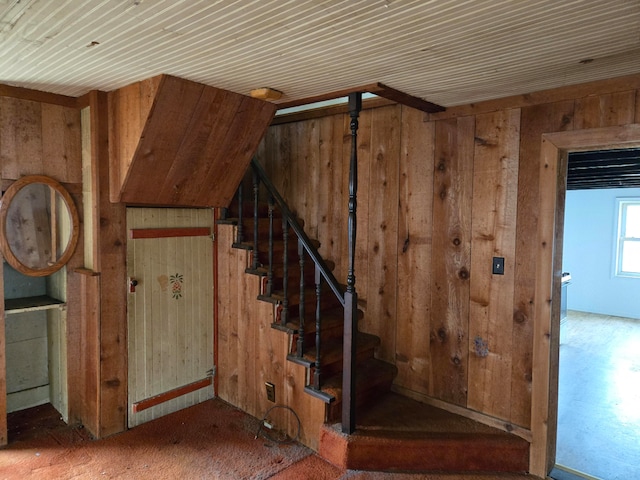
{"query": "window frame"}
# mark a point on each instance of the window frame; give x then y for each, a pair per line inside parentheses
(622, 203)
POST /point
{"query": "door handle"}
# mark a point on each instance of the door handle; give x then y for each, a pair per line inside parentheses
(132, 285)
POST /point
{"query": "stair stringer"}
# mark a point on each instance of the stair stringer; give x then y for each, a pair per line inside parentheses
(251, 352)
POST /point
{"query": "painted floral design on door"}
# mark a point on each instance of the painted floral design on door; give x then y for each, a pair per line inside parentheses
(176, 285)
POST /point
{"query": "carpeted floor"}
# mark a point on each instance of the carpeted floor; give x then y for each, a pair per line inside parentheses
(208, 441)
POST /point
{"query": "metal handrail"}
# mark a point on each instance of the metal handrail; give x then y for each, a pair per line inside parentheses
(299, 231)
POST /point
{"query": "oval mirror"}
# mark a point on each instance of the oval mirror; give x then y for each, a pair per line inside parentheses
(38, 225)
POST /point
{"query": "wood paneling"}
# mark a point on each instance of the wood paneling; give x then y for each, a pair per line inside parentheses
(382, 234)
(251, 353)
(493, 235)
(604, 110)
(39, 139)
(111, 264)
(451, 258)
(412, 353)
(535, 120)
(194, 136)
(129, 109)
(88, 384)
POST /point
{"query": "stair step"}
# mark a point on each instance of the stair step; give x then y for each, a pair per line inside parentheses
(372, 377)
(332, 352)
(427, 453)
(400, 434)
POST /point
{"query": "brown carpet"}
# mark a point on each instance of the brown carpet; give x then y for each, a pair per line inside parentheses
(208, 441)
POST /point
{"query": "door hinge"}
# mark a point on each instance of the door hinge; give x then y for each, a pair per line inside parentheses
(212, 372)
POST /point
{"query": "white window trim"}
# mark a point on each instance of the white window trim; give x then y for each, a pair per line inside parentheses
(621, 204)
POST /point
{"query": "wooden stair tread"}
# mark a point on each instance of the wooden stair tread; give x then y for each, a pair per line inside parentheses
(332, 349)
(400, 434)
(369, 374)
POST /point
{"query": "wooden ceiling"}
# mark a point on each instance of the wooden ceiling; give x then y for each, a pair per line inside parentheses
(448, 52)
(604, 169)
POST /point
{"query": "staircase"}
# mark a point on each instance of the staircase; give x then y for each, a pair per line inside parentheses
(294, 280)
(394, 433)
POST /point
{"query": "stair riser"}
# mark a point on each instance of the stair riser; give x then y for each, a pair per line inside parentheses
(332, 365)
(459, 453)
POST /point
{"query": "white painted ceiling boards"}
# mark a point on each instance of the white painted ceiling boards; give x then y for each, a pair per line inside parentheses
(446, 51)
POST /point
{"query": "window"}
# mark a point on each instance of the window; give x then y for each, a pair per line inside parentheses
(628, 254)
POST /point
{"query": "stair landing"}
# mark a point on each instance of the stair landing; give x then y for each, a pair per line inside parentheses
(399, 434)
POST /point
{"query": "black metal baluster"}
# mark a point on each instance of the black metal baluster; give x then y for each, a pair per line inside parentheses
(240, 228)
(317, 371)
(270, 268)
(300, 345)
(256, 190)
(284, 316)
(351, 296)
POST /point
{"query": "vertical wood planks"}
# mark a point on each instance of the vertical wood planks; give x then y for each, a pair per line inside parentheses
(451, 259)
(90, 351)
(493, 235)
(329, 186)
(415, 227)
(61, 143)
(535, 121)
(227, 317)
(39, 139)
(605, 110)
(111, 264)
(382, 221)
(129, 108)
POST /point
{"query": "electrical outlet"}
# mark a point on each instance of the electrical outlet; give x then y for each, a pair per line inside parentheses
(271, 391)
(498, 265)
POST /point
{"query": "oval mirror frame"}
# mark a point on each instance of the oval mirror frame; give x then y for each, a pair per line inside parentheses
(5, 203)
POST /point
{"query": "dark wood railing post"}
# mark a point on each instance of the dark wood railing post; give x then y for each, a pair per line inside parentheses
(284, 315)
(301, 312)
(256, 191)
(317, 380)
(270, 268)
(351, 296)
(240, 228)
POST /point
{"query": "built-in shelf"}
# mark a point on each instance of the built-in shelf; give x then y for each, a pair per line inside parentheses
(31, 304)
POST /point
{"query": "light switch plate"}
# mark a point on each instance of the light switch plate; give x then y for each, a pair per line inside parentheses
(498, 265)
(271, 391)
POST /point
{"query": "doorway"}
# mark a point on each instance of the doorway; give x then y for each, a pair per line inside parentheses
(598, 423)
(170, 310)
(555, 148)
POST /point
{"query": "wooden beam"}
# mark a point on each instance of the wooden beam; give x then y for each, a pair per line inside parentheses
(38, 96)
(376, 88)
(327, 111)
(383, 90)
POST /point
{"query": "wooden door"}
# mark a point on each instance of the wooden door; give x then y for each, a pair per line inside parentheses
(170, 310)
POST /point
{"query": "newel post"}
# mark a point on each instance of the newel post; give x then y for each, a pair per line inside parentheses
(351, 296)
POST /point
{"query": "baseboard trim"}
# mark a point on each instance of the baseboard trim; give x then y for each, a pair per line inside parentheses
(465, 412)
(560, 472)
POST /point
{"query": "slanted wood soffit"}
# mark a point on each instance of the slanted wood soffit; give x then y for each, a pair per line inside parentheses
(174, 142)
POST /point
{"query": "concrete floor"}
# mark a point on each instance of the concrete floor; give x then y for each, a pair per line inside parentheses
(599, 396)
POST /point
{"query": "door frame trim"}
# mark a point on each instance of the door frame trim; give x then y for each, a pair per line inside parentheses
(546, 335)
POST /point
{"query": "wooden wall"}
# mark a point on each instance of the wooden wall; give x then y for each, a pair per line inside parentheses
(439, 196)
(40, 134)
(251, 353)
